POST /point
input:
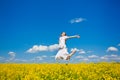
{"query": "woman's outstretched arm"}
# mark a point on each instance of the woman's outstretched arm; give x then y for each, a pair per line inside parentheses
(75, 36)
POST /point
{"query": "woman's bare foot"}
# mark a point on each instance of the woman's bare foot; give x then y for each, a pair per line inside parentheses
(73, 51)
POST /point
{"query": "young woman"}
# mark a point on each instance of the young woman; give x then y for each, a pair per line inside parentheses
(62, 52)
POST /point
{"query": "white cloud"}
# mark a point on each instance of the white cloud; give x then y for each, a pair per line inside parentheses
(79, 57)
(77, 20)
(104, 58)
(12, 55)
(38, 58)
(85, 59)
(93, 56)
(53, 47)
(81, 51)
(112, 49)
(21, 60)
(75, 48)
(38, 48)
(111, 57)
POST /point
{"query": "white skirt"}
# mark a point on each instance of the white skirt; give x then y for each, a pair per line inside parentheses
(62, 54)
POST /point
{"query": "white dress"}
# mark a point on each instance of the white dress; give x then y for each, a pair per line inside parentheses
(62, 53)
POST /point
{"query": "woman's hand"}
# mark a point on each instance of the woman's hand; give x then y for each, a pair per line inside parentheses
(77, 36)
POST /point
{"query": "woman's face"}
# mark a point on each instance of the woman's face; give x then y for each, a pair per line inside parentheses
(63, 34)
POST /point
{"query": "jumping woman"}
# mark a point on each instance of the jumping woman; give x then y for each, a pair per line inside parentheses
(63, 52)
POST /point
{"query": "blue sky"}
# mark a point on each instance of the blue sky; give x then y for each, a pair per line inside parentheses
(30, 29)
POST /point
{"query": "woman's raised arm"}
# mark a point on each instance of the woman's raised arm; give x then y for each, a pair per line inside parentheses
(75, 36)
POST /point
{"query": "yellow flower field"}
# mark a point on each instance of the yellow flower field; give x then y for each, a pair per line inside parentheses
(81, 71)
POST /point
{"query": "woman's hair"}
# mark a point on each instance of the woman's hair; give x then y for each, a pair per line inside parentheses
(63, 32)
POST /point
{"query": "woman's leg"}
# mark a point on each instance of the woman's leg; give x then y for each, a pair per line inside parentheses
(73, 52)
